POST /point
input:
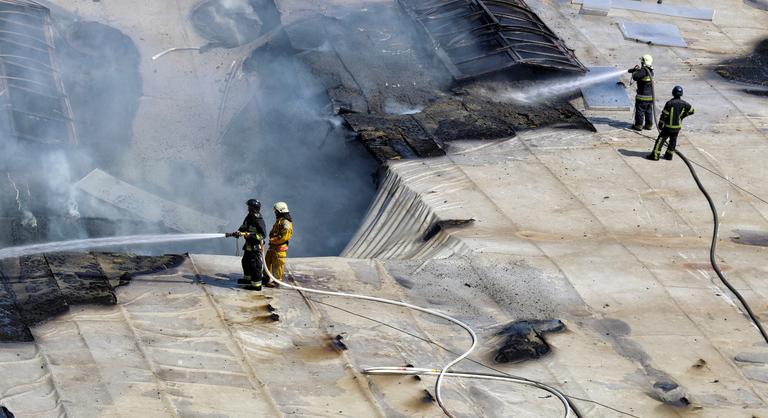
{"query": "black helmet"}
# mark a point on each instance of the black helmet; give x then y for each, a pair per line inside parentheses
(253, 205)
(677, 91)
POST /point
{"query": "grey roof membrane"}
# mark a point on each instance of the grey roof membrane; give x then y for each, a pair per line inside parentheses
(653, 33)
(661, 9)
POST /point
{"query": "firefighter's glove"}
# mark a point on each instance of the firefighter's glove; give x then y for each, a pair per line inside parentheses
(633, 69)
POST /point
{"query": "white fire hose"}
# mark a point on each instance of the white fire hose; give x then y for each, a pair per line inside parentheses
(440, 373)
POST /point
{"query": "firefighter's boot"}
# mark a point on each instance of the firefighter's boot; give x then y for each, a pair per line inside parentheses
(256, 286)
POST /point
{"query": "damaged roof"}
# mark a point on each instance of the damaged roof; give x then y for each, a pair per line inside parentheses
(33, 101)
(36, 288)
(478, 37)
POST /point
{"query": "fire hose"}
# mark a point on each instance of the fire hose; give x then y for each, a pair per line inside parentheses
(715, 227)
(445, 371)
(713, 245)
(713, 248)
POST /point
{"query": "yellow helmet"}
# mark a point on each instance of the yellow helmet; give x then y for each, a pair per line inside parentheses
(647, 60)
(281, 207)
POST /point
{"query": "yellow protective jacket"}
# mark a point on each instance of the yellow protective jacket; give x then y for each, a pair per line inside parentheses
(280, 234)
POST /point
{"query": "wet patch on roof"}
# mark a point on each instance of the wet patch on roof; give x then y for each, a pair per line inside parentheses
(659, 385)
(36, 288)
(748, 237)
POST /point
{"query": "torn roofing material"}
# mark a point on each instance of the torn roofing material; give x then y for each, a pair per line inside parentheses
(36, 288)
(32, 95)
(394, 137)
(478, 37)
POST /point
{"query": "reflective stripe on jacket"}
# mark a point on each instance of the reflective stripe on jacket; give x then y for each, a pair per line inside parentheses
(644, 77)
(255, 226)
(674, 112)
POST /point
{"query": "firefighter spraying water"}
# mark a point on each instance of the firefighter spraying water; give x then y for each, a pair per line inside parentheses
(644, 99)
(254, 232)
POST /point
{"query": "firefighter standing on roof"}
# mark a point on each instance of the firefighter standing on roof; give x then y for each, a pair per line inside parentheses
(643, 75)
(279, 236)
(670, 123)
(253, 230)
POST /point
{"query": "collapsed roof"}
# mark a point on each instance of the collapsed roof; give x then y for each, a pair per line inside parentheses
(34, 104)
(478, 37)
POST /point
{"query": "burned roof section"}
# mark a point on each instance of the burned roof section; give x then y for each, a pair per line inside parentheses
(38, 287)
(381, 78)
(475, 37)
(34, 105)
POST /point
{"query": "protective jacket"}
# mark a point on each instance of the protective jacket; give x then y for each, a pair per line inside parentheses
(254, 225)
(673, 114)
(280, 235)
(644, 78)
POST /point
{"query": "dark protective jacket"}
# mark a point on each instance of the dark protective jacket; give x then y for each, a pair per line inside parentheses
(253, 224)
(643, 76)
(673, 114)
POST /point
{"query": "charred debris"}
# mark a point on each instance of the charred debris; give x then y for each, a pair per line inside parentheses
(407, 85)
(750, 69)
(35, 288)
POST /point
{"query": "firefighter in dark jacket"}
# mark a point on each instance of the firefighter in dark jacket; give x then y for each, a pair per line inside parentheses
(643, 75)
(253, 230)
(670, 123)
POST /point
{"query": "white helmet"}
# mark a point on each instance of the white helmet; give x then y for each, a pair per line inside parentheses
(647, 60)
(281, 207)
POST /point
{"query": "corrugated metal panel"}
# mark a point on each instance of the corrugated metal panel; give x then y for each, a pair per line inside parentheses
(34, 105)
(478, 37)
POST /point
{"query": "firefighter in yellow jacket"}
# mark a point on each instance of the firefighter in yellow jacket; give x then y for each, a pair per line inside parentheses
(279, 236)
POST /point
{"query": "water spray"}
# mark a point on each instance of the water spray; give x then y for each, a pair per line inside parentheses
(81, 244)
(186, 48)
(544, 90)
